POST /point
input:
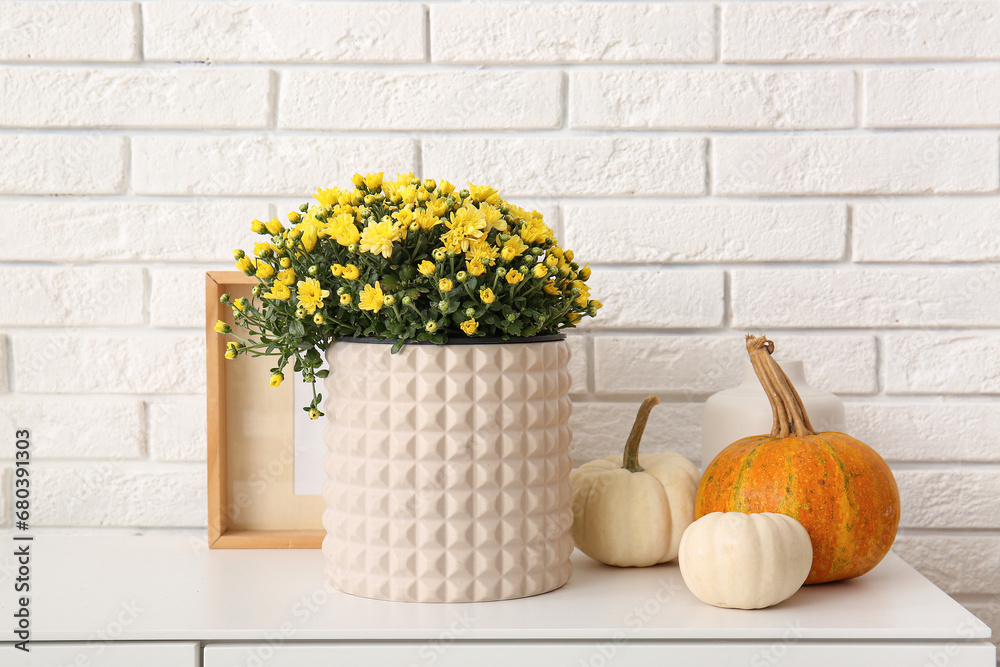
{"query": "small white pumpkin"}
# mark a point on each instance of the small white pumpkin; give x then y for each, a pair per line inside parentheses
(745, 561)
(633, 514)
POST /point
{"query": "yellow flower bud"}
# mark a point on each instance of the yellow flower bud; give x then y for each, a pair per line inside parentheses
(276, 379)
(514, 276)
(585, 273)
(264, 271)
(274, 227)
(351, 272)
(230, 354)
(445, 285)
(314, 413)
(241, 303)
(427, 268)
(346, 299)
(358, 180)
(257, 227)
(294, 217)
(486, 294)
(222, 327)
(337, 270)
(539, 271)
(469, 326)
(245, 264)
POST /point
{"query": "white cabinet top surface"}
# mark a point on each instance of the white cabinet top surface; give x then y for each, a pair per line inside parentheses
(174, 588)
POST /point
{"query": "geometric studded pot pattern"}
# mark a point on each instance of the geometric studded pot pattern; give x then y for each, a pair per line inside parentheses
(448, 471)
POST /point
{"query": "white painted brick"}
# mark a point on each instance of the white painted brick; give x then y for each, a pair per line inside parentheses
(69, 31)
(260, 165)
(283, 32)
(601, 429)
(440, 100)
(177, 429)
(716, 232)
(570, 32)
(578, 363)
(928, 431)
(957, 563)
(938, 97)
(860, 31)
(701, 365)
(177, 298)
(840, 364)
(72, 362)
(927, 230)
(657, 298)
(942, 363)
(170, 98)
(73, 296)
(867, 297)
(87, 230)
(104, 495)
(896, 163)
(77, 428)
(949, 498)
(44, 164)
(725, 99)
(584, 166)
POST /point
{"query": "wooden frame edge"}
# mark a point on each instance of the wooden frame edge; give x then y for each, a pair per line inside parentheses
(215, 346)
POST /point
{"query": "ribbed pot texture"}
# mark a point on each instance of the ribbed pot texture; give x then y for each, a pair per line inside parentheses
(448, 471)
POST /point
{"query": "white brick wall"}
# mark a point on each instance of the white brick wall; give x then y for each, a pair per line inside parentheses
(827, 173)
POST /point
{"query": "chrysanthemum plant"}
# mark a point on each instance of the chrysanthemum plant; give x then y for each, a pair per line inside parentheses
(404, 260)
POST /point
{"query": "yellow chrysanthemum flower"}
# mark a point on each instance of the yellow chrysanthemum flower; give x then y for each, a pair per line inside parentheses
(513, 248)
(465, 226)
(445, 285)
(264, 271)
(309, 238)
(311, 294)
(476, 268)
(287, 276)
(585, 273)
(539, 271)
(222, 327)
(469, 326)
(378, 237)
(408, 193)
(337, 270)
(486, 295)
(514, 276)
(341, 228)
(484, 193)
(550, 288)
(327, 197)
(438, 208)
(274, 227)
(446, 188)
(276, 379)
(404, 216)
(351, 272)
(427, 220)
(262, 249)
(245, 264)
(346, 299)
(426, 268)
(258, 227)
(494, 218)
(481, 250)
(374, 181)
(372, 298)
(279, 292)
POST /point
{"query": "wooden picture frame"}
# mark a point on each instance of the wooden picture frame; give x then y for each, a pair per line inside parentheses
(251, 504)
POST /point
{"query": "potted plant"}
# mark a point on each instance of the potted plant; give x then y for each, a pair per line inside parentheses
(441, 315)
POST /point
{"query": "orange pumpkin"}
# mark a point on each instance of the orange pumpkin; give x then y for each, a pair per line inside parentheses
(837, 487)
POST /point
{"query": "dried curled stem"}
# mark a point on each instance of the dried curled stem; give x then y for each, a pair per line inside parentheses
(631, 458)
(790, 418)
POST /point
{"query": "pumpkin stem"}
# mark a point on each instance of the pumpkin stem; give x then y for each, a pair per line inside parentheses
(631, 460)
(787, 409)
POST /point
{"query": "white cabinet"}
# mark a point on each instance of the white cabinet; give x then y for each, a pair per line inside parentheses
(103, 654)
(168, 600)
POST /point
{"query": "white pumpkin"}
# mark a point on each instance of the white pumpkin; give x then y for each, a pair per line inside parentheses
(633, 515)
(745, 561)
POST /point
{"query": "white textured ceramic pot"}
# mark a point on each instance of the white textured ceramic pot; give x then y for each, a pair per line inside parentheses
(448, 470)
